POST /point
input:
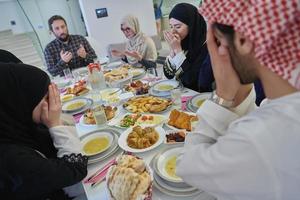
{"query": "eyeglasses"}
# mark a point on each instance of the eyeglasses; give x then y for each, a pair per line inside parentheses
(125, 29)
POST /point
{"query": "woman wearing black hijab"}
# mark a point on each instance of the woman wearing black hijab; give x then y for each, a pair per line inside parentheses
(38, 155)
(7, 57)
(189, 60)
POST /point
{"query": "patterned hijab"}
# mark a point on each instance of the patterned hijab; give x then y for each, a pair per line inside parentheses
(273, 26)
(23, 87)
(136, 43)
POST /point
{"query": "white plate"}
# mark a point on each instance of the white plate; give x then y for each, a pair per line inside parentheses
(199, 97)
(160, 119)
(136, 72)
(159, 94)
(172, 83)
(98, 134)
(123, 141)
(162, 162)
(81, 71)
(81, 120)
(105, 93)
(113, 64)
(61, 82)
(110, 151)
(73, 101)
(67, 97)
(177, 129)
(173, 191)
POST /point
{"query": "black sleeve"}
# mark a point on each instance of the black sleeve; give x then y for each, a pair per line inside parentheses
(169, 72)
(148, 64)
(189, 75)
(38, 177)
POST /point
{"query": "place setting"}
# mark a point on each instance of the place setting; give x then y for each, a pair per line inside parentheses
(194, 103)
(100, 144)
(165, 177)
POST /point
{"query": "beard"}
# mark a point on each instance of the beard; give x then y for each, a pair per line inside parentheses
(64, 37)
(243, 66)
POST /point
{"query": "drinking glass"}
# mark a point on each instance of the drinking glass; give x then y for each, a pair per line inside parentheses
(176, 96)
(67, 73)
(99, 114)
(150, 75)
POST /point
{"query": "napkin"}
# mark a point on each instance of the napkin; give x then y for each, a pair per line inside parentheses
(184, 100)
(77, 117)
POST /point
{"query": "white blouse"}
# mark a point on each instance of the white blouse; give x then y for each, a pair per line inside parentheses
(243, 154)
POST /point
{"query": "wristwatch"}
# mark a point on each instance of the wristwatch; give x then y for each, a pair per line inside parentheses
(220, 101)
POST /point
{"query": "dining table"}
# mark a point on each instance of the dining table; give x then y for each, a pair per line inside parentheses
(100, 192)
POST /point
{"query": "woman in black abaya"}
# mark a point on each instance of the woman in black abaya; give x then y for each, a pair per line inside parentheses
(38, 155)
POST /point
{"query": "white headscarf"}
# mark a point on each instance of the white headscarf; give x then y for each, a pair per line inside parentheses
(136, 43)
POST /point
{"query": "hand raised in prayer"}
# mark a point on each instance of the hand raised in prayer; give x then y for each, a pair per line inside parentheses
(227, 80)
(134, 54)
(66, 56)
(117, 53)
(81, 51)
(173, 40)
(51, 109)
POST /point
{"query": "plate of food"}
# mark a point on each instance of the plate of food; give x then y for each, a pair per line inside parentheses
(87, 119)
(137, 72)
(147, 104)
(129, 173)
(197, 100)
(165, 85)
(175, 137)
(166, 165)
(74, 105)
(96, 143)
(137, 87)
(78, 89)
(137, 139)
(129, 120)
(113, 65)
(181, 120)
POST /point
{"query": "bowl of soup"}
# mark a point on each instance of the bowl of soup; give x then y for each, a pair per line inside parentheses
(74, 105)
(96, 143)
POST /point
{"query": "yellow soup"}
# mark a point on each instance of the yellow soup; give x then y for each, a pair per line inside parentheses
(200, 102)
(171, 167)
(66, 98)
(165, 87)
(75, 105)
(96, 145)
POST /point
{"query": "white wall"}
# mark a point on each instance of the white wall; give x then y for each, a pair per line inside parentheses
(107, 30)
(39, 11)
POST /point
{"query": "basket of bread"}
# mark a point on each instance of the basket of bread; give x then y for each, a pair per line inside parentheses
(130, 178)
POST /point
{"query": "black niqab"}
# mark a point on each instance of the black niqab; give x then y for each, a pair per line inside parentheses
(194, 42)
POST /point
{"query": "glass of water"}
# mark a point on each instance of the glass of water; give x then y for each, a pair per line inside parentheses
(176, 96)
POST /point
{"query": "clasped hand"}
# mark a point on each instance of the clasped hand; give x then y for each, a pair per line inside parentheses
(173, 41)
(51, 108)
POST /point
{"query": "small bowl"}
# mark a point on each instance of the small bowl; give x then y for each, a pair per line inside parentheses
(162, 162)
(74, 105)
(99, 134)
(178, 136)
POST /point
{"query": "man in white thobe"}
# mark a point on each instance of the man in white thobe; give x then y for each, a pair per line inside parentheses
(238, 152)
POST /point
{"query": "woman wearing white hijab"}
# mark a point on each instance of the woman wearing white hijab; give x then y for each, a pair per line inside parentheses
(140, 49)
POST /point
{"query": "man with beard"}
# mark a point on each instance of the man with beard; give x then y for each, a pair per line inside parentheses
(66, 51)
(235, 152)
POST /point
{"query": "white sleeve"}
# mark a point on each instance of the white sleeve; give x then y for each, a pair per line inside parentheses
(224, 168)
(65, 140)
(178, 59)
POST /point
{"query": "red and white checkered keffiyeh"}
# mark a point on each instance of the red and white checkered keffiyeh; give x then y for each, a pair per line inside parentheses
(272, 25)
